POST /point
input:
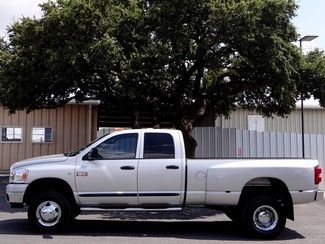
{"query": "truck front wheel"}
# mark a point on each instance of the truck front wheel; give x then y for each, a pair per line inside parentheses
(49, 212)
(264, 217)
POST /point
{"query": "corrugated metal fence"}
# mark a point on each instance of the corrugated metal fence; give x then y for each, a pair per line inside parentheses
(217, 142)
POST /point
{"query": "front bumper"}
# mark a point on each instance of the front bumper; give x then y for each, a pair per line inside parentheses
(15, 192)
(319, 195)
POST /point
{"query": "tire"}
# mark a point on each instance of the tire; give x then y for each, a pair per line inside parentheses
(49, 212)
(264, 217)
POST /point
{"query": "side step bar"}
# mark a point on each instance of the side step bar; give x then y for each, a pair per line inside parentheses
(130, 209)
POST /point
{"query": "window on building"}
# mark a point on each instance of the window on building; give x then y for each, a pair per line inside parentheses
(256, 122)
(11, 134)
(158, 145)
(42, 135)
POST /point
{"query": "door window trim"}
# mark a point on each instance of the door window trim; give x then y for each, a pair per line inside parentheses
(166, 158)
(112, 159)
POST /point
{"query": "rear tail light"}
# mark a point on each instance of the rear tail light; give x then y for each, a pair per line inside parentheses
(318, 175)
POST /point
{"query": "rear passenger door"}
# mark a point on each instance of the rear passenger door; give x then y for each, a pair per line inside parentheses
(160, 170)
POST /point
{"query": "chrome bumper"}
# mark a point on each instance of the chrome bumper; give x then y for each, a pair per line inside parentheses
(319, 195)
(15, 193)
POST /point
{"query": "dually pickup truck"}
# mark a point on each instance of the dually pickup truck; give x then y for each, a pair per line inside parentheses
(147, 170)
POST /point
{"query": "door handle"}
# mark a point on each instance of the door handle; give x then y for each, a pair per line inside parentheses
(127, 167)
(172, 167)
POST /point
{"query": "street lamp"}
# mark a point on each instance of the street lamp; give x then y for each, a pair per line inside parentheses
(307, 38)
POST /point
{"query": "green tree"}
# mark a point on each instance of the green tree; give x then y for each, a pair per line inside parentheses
(190, 59)
(311, 80)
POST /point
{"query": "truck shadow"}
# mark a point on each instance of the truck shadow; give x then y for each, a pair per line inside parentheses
(191, 230)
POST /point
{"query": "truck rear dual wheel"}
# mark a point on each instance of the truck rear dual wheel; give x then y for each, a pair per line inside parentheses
(264, 217)
(49, 212)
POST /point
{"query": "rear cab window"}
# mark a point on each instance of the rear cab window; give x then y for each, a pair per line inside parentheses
(158, 145)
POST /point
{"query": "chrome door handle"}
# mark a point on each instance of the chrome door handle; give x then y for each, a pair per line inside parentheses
(172, 167)
(127, 167)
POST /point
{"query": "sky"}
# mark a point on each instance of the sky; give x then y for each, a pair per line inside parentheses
(310, 19)
(11, 10)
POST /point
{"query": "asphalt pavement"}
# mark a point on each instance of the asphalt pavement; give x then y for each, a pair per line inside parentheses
(190, 226)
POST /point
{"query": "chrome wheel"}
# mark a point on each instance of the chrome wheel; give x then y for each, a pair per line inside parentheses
(48, 213)
(265, 218)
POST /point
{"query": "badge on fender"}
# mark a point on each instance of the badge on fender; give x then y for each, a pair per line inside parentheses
(82, 173)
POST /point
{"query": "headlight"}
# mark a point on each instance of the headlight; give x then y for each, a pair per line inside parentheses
(18, 176)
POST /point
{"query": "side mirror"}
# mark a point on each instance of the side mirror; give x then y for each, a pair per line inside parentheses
(91, 155)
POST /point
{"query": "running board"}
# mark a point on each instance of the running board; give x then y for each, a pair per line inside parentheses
(130, 209)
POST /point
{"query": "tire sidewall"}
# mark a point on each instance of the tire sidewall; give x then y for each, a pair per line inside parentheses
(247, 217)
(49, 196)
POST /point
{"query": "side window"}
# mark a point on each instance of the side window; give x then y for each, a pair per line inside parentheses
(158, 145)
(11, 134)
(119, 147)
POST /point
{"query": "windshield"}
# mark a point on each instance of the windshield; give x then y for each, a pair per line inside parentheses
(76, 152)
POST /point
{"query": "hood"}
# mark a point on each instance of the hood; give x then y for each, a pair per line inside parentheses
(40, 160)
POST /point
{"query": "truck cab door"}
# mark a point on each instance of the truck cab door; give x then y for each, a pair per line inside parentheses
(107, 174)
(160, 172)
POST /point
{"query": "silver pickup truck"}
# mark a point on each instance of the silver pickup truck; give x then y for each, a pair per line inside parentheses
(147, 169)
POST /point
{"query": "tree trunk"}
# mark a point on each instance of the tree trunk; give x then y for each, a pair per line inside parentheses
(136, 124)
(186, 126)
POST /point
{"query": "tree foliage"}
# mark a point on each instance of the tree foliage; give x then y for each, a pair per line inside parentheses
(311, 80)
(193, 59)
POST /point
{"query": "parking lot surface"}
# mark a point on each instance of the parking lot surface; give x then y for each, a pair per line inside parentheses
(190, 226)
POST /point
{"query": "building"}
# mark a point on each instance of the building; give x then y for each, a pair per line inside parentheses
(52, 131)
(314, 120)
(46, 131)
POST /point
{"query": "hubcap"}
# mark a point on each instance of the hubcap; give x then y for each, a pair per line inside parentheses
(265, 218)
(48, 213)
